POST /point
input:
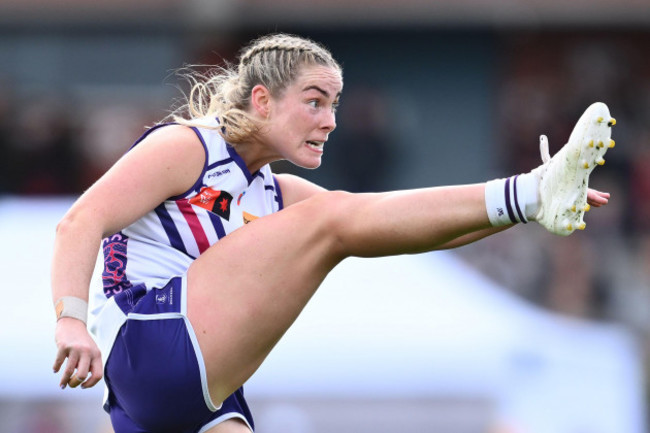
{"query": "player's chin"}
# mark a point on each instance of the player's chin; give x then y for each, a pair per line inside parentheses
(309, 163)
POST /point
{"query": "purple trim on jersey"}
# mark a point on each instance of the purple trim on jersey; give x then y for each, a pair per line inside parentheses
(199, 180)
(218, 163)
(149, 131)
(237, 160)
(278, 194)
(173, 235)
(240, 162)
(250, 177)
(217, 224)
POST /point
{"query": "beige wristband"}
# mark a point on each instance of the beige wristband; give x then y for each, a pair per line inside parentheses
(71, 306)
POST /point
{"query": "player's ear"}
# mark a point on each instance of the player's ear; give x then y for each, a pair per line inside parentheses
(261, 100)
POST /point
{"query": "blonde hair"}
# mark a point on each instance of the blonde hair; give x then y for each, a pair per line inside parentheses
(224, 92)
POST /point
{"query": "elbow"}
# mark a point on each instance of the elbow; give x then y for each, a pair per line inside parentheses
(76, 221)
(66, 224)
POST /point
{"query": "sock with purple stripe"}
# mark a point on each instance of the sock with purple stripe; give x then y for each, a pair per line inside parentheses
(512, 200)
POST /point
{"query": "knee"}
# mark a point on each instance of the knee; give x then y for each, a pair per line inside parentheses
(330, 210)
(329, 206)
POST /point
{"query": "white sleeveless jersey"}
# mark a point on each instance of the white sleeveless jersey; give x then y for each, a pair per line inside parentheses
(163, 243)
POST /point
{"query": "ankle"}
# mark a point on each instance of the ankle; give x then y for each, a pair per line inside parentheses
(512, 200)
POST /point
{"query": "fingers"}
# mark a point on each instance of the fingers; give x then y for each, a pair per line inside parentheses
(597, 198)
(81, 374)
(69, 370)
(75, 381)
(87, 374)
(83, 356)
(80, 364)
(87, 365)
(96, 371)
(60, 357)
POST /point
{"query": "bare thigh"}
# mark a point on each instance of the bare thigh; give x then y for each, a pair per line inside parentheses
(245, 291)
(232, 425)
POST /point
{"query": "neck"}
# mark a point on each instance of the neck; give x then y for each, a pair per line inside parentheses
(255, 155)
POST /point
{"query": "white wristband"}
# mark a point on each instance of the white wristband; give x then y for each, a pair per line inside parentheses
(71, 306)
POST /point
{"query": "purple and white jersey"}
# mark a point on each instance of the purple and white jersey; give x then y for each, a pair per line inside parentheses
(164, 242)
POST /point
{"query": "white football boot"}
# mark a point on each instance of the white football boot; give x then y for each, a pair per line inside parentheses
(564, 179)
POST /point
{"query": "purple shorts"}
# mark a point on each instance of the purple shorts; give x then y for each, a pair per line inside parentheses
(155, 372)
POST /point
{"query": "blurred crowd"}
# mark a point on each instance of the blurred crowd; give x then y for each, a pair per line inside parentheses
(52, 144)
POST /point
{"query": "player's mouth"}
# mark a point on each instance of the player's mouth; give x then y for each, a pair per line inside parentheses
(315, 145)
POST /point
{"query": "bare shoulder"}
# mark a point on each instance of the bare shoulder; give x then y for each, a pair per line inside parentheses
(176, 149)
(295, 188)
(173, 135)
(165, 164)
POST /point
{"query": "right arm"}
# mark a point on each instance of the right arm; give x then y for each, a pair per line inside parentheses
(165, 164)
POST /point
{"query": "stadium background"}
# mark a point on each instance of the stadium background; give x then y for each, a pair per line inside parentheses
(435, 93)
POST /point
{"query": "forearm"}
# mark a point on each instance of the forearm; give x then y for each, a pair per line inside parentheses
(77, 241)
(76, 245)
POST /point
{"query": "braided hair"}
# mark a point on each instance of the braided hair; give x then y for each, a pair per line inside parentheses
(272, 61)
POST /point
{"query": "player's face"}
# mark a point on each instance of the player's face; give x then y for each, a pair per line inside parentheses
(303, 115)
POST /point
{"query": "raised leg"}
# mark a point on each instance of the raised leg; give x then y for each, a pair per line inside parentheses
(246, 290)
(233, 425)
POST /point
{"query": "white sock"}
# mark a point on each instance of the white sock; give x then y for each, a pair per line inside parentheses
(512, 200)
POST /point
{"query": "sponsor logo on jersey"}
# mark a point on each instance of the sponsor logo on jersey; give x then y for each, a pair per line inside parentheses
(248, 217)
(215, 201)
(219, 173)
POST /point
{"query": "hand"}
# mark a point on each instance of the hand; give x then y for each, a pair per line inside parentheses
(75, 343)
(597, 198)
